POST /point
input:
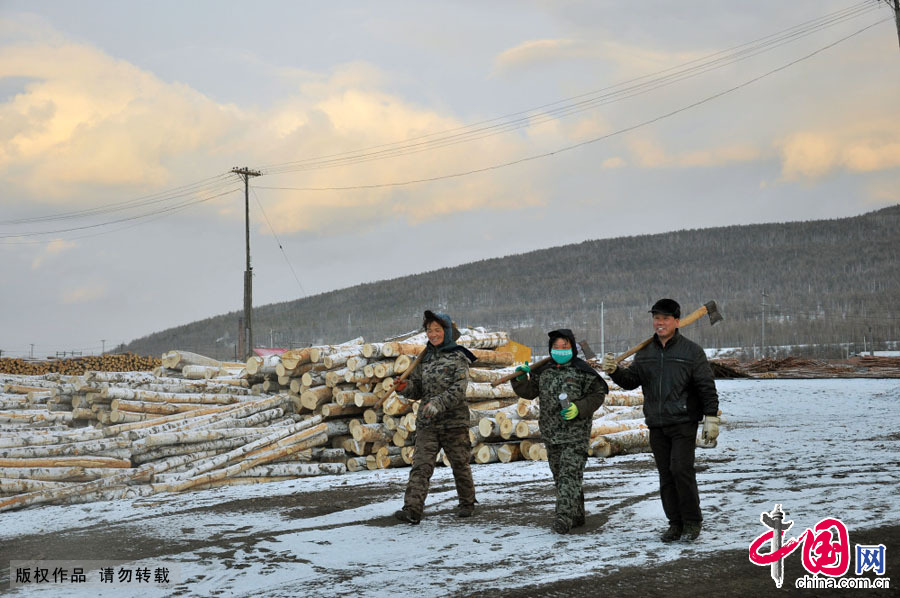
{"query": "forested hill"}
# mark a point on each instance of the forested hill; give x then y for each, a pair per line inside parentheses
(826, 281)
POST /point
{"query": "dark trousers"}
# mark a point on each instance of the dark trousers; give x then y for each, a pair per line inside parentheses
(567, 463)
(673, 449)
(458, 449)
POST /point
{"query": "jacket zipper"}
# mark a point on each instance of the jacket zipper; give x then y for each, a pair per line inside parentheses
(660, 398)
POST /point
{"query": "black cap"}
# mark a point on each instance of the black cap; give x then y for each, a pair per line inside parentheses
(666, 307)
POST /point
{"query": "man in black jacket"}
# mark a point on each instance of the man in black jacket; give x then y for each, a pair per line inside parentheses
(679, 390)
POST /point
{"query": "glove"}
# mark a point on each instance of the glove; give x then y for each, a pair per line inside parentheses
(400, 386)
(429, 410)
(710, 428)
(570, 412)
(525, 371)
(609, 364)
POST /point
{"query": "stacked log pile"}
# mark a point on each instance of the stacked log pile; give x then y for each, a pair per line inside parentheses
(177, 434)
(196, 423)
(793, 367)
(119, 362)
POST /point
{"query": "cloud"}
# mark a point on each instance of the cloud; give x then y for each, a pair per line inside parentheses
(85, 294)
(88, 128)
(628, 59)
(650, 153)
(52, 249)
(812, 155)
(531, 52)
(614, 162)
(85, 119)
(347, 114)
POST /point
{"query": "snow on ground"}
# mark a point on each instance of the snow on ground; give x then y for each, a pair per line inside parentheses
(821, 448)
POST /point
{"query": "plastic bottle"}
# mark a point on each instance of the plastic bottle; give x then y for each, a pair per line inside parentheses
(563, 401)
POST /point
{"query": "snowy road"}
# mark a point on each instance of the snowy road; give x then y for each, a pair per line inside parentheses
(821, 448)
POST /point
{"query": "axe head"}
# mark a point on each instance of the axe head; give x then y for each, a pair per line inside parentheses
(712, 310)
(586, 349)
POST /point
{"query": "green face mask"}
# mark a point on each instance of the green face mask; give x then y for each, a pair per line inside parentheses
(561, 356)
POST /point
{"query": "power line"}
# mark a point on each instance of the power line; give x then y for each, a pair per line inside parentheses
(627, 90)
(154, 198)
(278, 241)
(157, 212)
(589, 141)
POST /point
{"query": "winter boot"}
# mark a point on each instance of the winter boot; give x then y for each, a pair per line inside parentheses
(673, 533)
(465, 510)
(691, 531)
(560, 527)
(407, 516)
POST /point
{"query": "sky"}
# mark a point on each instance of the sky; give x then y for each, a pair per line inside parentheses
(400, 137)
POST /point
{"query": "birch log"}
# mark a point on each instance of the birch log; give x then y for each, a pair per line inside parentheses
(483, 390)
(68, 449)
(484, 357)
(312, 398)
(372, 350)
(509, 452)
(337, 359)
(176, 360)
(527, 428)
(201, 372)
(394, 405)
(67, 462)
(371, 433)
(601, 426)
(528, 409)
(607, 445)
(293, 470)
(485, 375)
(622, 399)
(336, 410)
(486, 453)
(294, 358)
(57, 474)
(356, 463)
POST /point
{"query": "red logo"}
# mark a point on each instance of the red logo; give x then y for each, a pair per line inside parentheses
(826, 546)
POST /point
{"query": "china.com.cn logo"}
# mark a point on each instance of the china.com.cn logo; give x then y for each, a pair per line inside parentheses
(825, 551)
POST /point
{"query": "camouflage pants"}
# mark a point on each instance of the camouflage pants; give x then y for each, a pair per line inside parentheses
(567, 463)
(429, 441)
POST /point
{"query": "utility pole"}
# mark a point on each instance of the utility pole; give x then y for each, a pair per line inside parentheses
(897, 17)
(895, 6)
(602, 332)
(103, 346)
(32, 351)
(764, 324)
(245, 174)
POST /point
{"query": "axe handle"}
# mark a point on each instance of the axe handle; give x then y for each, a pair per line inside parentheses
(685, 321)
(402, 377)
(509, 377)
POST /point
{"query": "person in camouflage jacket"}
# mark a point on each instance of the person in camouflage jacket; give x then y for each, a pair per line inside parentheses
(439, 384)
(565, 432)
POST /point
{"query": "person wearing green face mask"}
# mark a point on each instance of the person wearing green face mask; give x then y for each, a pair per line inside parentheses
(569, 391)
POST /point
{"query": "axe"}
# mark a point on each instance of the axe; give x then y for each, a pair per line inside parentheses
(585, 349)
(710, 309)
